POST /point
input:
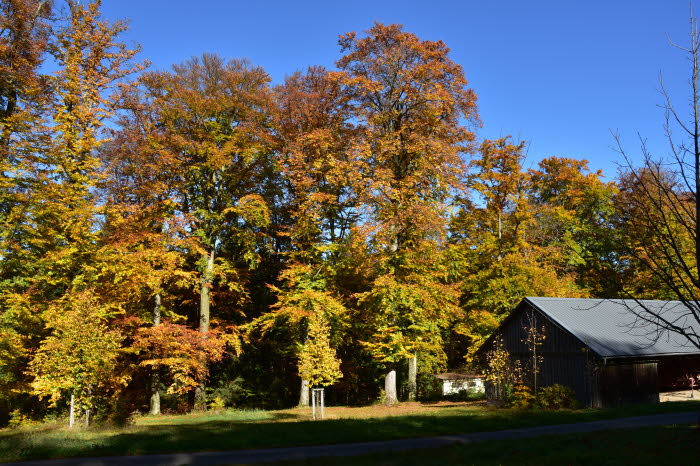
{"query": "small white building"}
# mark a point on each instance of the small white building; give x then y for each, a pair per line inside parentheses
(454, 382)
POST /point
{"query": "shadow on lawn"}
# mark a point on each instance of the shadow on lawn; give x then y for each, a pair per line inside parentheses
(290, 416)
(232, 434)
(218, 435)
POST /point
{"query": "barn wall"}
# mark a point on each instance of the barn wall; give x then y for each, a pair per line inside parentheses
(566, 360)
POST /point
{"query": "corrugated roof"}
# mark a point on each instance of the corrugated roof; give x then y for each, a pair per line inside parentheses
(611, 328)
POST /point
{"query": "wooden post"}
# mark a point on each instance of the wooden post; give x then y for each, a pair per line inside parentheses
(317, 401)
(313, 404)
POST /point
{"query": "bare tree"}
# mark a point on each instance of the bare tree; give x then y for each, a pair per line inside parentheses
(659, 212)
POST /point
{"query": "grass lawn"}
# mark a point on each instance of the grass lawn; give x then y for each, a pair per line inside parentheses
(236, 429)
(646, 446)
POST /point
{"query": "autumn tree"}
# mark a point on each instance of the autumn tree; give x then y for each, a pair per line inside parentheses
(307, 308)
(211, 128)
(574, 225)
(145, 238)
(181, 353)
(408, 98)
(495, 243)
(24, 39)
(51, 129)
(312, 122)
(318, 362)
(78, 359)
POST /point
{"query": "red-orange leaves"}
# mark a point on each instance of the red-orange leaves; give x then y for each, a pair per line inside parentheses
(184, 353)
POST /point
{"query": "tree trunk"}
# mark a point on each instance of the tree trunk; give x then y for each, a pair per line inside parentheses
(390, 388)
(200, 394)
(87, 410)
(412, 377)
(71, 416)
(204, 294)
(304, 393)
(155, 376)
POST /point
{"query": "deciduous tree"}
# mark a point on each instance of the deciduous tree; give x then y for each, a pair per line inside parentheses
(409, 99)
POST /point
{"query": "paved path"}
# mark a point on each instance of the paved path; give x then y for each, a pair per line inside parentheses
(350, 449)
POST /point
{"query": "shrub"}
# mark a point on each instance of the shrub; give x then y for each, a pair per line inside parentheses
(19, 419)
(557, 397)
(466, 394)
(522, 397)
(229, 394)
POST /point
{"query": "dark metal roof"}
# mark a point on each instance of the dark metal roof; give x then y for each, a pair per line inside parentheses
(611, 328)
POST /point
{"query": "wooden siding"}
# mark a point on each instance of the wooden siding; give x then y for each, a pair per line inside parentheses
(566, 360)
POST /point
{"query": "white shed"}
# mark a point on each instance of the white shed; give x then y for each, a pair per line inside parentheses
(454, 382)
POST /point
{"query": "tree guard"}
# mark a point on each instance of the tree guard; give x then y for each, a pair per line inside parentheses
(317, 403)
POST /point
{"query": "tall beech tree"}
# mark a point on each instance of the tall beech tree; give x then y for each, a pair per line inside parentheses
(408, 98)
(213, 123)
(52, 136)
(24, 92)
(145, 237)
(315, 133)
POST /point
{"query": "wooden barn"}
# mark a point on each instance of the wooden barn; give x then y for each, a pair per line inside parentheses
(600, 348)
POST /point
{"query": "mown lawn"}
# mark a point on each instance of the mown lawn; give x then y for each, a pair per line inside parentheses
(677, 445)
(237, 429)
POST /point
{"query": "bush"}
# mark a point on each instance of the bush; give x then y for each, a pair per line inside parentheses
(522, 397)
(557, 397)
(466, 394)
(19, 419)
(232, 393)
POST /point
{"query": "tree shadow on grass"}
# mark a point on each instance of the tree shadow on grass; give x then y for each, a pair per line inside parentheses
(291, 416)
(232, 434)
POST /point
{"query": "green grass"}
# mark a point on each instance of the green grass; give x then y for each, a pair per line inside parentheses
(231, 430)
(678, 445)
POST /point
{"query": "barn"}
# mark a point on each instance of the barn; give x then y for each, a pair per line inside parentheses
(600, 348)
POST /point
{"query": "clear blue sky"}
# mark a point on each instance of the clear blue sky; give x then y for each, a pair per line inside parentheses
(558, 74)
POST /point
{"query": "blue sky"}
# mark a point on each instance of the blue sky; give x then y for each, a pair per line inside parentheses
(559, 74)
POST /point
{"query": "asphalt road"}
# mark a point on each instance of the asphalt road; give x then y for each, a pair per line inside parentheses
(350, 449)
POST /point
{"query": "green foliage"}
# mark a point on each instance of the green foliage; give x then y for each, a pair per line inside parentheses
(232, 393)
(557, 397)
(467, 395)
(19, 419)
